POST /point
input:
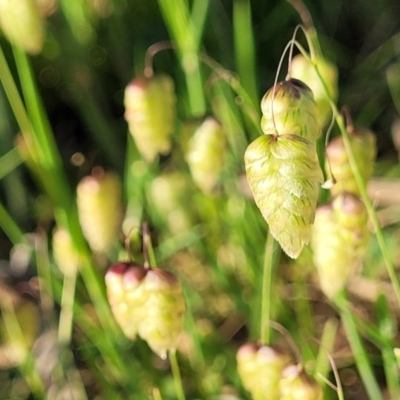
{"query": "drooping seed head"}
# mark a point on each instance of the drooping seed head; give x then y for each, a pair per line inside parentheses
(64, 252)
(150, 113)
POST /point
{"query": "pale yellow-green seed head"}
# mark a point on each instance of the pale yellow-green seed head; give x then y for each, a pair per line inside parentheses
(260, 368)
(148, 302)
(22, 24)
(339, 241)
(99, 201)
(296, 385)
(205, 154)
(363, 146)
(284, 176)
(302, 69)
(290, 109)
(150, 113)
(64, 252)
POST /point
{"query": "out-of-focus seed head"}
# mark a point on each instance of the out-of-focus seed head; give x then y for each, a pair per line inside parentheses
(64, 252)
(302, 69)
(205, 154)
(22, 24)
(148, 302)
(290, 109)
(296, 385)
(284, 176)
(260, 368)
(150, 113)
(339, 241)
(99, 201)
(363, 145)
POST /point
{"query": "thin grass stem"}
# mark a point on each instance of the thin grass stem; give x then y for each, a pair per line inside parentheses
(180, 394)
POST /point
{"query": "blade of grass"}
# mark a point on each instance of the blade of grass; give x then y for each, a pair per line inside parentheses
(360, 355)
(10, 228)
(244, 47)
(9, 162)
(182, 30)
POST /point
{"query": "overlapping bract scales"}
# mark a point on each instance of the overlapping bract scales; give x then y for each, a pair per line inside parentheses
(150, 113)
(282, 167)
(304, 69)
(363, 146)
(148, 303)
(290, 109)
(339, 241)
(260, 368)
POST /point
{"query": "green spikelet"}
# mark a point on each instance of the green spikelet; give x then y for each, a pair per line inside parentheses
(22, 24)
(363, 145)
(284, 175)
(290, 109)
(99, 208)
(205, 154)
(148, 302)
(296, 385)
(64, 253)
(150, 113)
(260, 368)
(302, 69)
(339, 241)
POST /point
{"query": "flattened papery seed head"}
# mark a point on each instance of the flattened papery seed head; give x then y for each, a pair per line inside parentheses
(133, 276)
(160, 279)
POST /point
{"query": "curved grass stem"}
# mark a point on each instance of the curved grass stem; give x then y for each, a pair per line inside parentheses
(180, 394)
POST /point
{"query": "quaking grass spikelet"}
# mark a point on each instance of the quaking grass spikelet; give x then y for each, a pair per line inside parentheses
(339, 241)
(282, 166)
(260, 368)
(148, 303)
(150, 113)
(64, 253)
(363, 146)
(303, 69)
(99, 201)
(296, 385)
(205, 154)
(22, 24)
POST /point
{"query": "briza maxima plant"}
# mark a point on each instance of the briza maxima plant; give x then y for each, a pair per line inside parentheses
(22, 24)
(147, 302)
(99, 201)
(282, 166)
(339, 241)
(150, 113)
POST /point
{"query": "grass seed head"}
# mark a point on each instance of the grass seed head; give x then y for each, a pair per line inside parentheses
(339, 241)
(148, 302)
(205, 154)
(363, 146)
(64, 252)
(260, 368)
(290, 109)
(302, 69)
(22, 24)
(99, 201)
(150, 113)
(284, 176)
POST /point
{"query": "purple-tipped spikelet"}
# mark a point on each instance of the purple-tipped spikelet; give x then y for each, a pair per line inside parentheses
(339, 241)
(22, 24)
(296, 385)
(150, 113)
(205, 154)
(303, 69)
(260, 368)
(290, 109)
(284, 175)
(282, 166)
(363, 146)
(148, 303)
(99, 201)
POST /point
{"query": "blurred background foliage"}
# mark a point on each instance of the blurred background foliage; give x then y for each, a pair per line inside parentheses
(92, 50)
